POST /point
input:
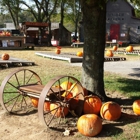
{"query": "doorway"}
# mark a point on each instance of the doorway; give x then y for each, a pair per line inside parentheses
(114, 31)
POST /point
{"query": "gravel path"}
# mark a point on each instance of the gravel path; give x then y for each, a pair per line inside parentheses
(125, 68)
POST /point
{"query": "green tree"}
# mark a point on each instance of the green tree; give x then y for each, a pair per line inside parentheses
(13, 7)
(42, 11)
(94, 22)
(74, 13)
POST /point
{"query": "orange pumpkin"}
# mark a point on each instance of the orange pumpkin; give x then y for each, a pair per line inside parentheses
(67, 95)
(115, 48)
(58, 51)
(47, 106)
(89, 125)
(34, 102)
(110, 111)
(5, 56)
(129, 49)
(92, 105)
(58, 111)
(136, 107)
(80, 54)
(66, 85)
(109, 53)
(75, 89)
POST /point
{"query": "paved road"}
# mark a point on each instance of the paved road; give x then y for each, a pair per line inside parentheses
(126, 68)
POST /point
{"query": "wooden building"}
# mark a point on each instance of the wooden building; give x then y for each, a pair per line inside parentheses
(33, 34)
(121, 22)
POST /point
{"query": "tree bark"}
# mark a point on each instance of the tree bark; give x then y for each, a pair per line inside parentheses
(94, 24)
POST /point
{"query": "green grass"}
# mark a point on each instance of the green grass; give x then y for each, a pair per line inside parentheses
(125, 86)
(125, 128)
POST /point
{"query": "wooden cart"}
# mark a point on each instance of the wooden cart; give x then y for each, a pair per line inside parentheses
(20, 86)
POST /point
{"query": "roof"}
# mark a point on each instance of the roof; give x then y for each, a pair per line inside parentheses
(35, 24)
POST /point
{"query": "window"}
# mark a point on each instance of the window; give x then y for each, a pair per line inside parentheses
(138, 30)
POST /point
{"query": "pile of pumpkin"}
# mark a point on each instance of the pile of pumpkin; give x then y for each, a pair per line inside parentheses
(94, 111)
(5, 33)
(109, 53)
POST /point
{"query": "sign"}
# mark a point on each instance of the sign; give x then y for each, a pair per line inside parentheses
(113, 40)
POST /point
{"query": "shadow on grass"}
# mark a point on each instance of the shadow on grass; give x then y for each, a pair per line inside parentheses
(136, 72)
(129, 88)
(115, 128)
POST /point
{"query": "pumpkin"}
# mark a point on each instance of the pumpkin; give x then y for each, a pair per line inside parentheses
(129, 49)
(47, 106)
(115, 48)
(109, 53)
(58, 111)
(89, 125)
(92, 105)
(75, 89)
(5, 56)
(67, 95)
(66, 85)
(57, 51)
(80, 54)
(110, 111)
(136, 107)
(34, 102)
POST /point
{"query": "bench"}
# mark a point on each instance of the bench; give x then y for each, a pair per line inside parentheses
(76, 44)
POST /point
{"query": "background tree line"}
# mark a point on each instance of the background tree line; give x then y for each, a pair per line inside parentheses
(18, 11)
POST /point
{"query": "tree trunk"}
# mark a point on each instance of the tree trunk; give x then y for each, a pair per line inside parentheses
(94, 23)
(61, 24)
(49, 35)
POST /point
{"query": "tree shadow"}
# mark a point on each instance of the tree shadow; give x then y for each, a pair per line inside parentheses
(136, 72)
(112, 128)
(34, 111)
(130, 90)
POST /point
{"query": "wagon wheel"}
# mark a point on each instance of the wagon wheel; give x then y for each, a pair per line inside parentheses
(12, 99)
(54, 95)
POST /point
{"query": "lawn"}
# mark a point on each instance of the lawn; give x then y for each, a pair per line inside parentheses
(124, 90)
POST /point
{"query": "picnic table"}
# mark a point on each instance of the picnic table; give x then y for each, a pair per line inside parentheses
(118, 43)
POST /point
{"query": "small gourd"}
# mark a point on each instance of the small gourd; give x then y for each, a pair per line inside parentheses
(80, 54)
(129, 49)
(57, 51)
(136, 107)
(5, 56)
(109, 53)
(115, 48)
